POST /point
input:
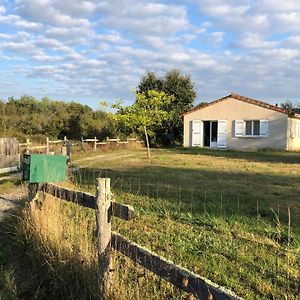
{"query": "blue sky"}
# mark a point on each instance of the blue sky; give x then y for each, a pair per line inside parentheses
(87, 50)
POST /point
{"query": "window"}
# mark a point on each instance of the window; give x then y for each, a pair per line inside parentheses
(252, 128)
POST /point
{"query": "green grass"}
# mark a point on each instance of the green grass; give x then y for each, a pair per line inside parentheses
(8, 185)
(222, 214)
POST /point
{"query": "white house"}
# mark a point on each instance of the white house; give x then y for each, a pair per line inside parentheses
(241, 123)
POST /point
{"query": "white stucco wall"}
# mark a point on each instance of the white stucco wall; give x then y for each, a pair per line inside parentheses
(293, 137)
(232, 109)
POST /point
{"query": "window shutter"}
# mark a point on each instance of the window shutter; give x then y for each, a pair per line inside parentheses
(264, 128)
(221, 140)
(197, 133)
(239, 128)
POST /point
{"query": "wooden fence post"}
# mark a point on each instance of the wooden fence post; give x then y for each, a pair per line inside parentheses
(47, 145)
(27, 146)
(69, 150)
(81, 143)
(103, 223)
(32, 192)
(95, 144)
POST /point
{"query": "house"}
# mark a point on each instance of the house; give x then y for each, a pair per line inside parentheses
(241, 123)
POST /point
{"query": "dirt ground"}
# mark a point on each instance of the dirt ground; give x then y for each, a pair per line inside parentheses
(11, 197)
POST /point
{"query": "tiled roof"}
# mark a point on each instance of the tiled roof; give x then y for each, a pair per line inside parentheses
(244, 99)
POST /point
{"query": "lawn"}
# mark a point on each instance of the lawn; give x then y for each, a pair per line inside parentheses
(223, 214)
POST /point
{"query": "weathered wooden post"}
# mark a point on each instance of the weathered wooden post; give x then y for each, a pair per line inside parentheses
(103, 222)
(69, 150)
(27, 146)
(81, 143)
(47, 145)
(95, 144)
(32, 193)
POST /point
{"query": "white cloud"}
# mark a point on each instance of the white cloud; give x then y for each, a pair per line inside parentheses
(143, 18)
(16, 21)
(255, 41)
(101, 48)
(293, 41)
(279, 5)
(288, 22)
(2, 10)
(215, 37)
(47, 12)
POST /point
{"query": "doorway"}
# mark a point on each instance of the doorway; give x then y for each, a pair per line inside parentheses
(210, 133)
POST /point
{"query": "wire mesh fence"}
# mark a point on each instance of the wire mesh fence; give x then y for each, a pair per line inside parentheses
(245, 243)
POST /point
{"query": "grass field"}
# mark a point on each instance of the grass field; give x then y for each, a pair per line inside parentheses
(222, 214)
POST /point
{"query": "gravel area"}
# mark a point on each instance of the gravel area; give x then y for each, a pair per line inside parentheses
(11, 199)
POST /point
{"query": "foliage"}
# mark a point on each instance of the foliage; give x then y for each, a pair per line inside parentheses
(27, 116)
(289, 106)
(147, 111)
(182, 89)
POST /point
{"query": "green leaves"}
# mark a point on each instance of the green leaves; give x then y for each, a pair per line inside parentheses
(183, 92)
(148, 110)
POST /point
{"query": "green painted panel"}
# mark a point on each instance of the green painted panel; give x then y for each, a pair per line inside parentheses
(43, 168)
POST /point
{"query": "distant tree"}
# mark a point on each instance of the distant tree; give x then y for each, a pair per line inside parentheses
(289, 106)
(31, 117)
(182, 89)
(147, 111)
(149, 82)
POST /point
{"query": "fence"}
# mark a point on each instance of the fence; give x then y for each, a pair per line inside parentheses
(105, 209)
(27, 148)
(111, 142)
(68, 146)
(9, 155)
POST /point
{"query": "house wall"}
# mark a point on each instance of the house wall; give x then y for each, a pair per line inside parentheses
(293, 138)
(232, 109)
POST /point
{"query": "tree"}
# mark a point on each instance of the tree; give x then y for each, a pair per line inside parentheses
(147, 111)
(29, 116)
(289, 106)
(182, 89)
(150, 82)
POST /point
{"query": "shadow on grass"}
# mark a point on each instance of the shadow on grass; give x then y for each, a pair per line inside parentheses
(183, 191)
(30, 269)
(257, 156)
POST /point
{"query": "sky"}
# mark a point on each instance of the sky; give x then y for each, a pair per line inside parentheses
(91, 50)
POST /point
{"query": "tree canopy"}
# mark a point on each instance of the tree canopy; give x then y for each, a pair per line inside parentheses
(182, 89)
(289, 106)
(147, 111)
(28, 116)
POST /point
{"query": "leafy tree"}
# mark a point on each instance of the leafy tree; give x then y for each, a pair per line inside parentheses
(28, 116)
(289, 106)
(147, 111)
(150, 82)
(182, 89)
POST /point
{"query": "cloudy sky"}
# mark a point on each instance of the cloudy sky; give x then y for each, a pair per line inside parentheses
(87, 50)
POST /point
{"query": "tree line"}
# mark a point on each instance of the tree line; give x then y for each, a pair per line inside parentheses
(28, 117)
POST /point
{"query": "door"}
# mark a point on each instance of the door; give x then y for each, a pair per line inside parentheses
(206, 133)
(213, 133)
(221, 141)
(197, 133)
